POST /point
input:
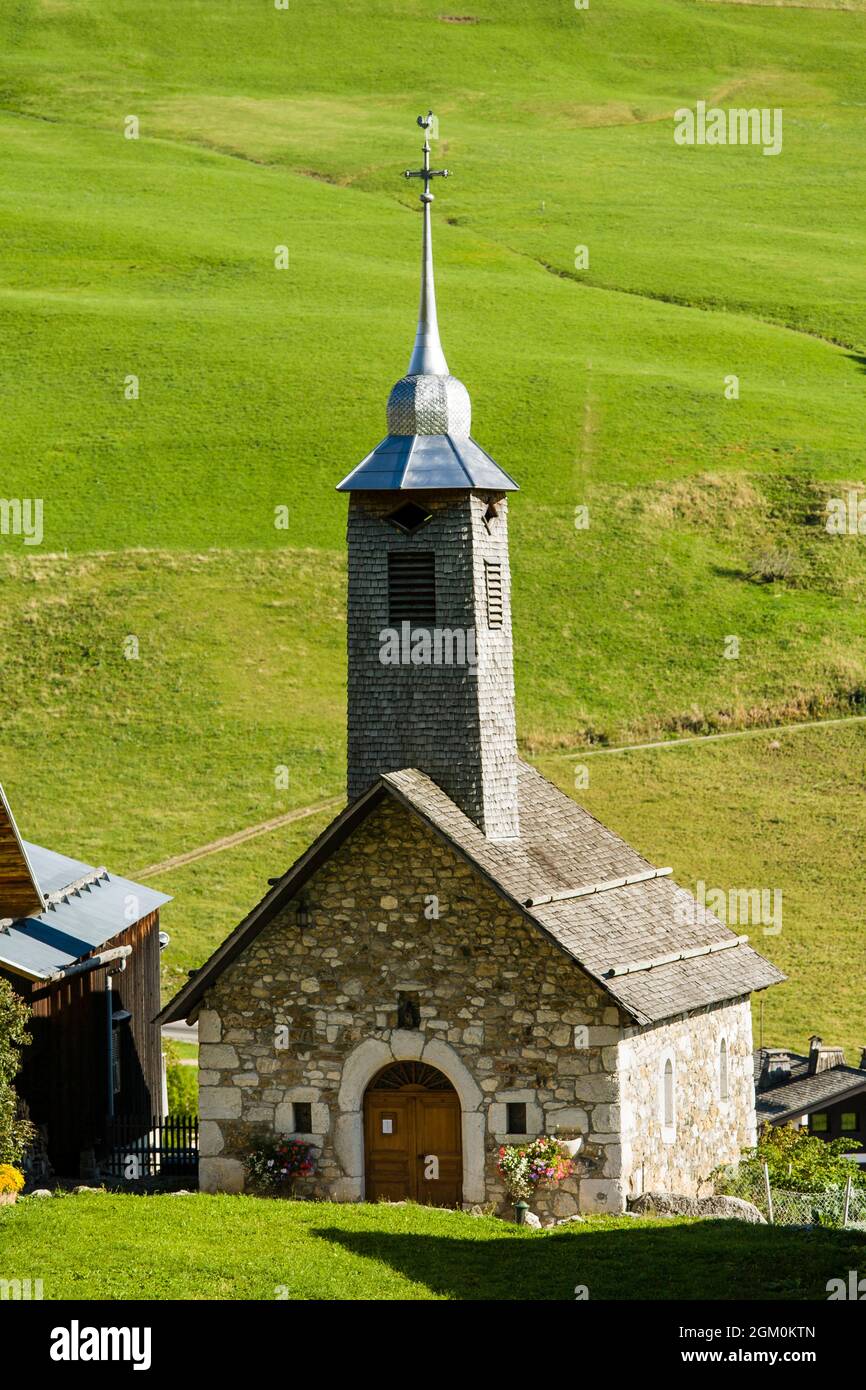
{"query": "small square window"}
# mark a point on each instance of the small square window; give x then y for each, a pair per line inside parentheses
(515, 1122)
(303, 1115)
(850, 1122)
(820, 1122)
(408, 1011)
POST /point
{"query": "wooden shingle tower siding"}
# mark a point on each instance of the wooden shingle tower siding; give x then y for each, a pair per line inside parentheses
(428, 566)
(451, 718)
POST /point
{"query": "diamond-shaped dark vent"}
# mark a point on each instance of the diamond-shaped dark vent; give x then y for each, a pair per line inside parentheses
(409, 518)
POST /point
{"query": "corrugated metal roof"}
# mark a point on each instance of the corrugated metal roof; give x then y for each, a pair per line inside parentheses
(40, 945)
(425, 462)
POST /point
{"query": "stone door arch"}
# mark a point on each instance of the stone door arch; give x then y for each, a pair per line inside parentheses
(413, 1148)
(360, 1067)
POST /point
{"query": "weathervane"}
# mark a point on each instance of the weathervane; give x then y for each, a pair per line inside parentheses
(427, 358)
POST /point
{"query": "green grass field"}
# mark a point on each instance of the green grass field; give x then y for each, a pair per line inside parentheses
(260, 388)
(200, 1247)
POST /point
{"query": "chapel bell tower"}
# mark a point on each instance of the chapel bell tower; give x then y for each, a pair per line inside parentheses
(431, 682)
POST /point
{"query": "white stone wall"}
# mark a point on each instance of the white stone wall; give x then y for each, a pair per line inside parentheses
(707, 1130)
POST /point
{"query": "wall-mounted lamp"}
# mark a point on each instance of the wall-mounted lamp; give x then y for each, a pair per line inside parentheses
(303, 914)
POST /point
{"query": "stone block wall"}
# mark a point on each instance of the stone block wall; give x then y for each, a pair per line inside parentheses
(312, 1017)
(707, 1130)
(499, 1005)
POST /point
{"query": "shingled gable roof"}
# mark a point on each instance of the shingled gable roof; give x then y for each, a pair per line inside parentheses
(560, 848)
(809, 1093)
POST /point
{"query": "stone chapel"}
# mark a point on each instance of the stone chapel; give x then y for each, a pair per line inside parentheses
(464, 957)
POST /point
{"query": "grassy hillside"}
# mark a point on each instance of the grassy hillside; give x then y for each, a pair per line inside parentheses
(258, 388)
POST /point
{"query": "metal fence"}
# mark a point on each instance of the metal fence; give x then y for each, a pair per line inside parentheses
(842, 1205)
(139, 1148)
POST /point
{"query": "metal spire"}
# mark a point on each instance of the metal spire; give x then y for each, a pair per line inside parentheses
(427, 358)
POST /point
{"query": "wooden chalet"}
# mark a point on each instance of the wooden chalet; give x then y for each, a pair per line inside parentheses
(81, 946)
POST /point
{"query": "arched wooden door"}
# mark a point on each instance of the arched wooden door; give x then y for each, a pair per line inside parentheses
(412, 1137)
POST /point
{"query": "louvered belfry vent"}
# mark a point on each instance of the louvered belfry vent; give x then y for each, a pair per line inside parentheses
(412, 587)
(493, 586)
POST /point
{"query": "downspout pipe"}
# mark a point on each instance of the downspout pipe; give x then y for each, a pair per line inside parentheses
(109, 1050)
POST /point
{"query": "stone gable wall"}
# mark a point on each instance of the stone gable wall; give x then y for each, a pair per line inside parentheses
(497, 999)
(504, 1014)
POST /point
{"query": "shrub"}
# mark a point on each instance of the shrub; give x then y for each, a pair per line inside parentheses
(15, 1134)
(524, 1167)
(796, 1162)
(769, 565)
(11, 1180)
(276, 1166)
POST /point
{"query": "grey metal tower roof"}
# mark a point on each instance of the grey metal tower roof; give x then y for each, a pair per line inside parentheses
(428, 445)
(427, 462)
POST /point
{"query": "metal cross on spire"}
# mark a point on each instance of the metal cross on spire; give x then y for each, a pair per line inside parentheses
(425, 122)
(427, 358)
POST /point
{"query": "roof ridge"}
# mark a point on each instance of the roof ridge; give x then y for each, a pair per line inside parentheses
(89, 880)
(456, 454)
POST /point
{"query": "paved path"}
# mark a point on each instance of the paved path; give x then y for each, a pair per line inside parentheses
(181, 1032)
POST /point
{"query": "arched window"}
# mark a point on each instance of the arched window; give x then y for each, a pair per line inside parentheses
(668, 1095)
(723, 1070)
